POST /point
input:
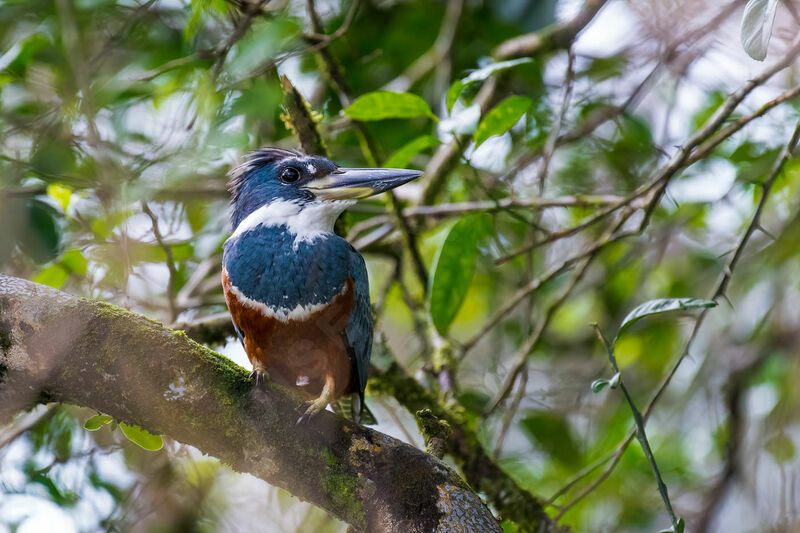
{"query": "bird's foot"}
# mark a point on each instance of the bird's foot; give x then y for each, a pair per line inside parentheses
(314, 407)
(259, 375)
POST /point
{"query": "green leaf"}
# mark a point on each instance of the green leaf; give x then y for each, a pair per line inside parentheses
(403, 156)
(509, 527)
(474, 400)
(198, 10)
(502, 117)
(484, 72)
(53, 276)
(60, 496)
(453, 93)
(143, 438)
(96, 422)
(757, 22)
(553, 435)
(598, 385)
(60, 194)
(479, 75)
(19, 56)
(43, 235)
(663, 305)
(780, 447)
(197, 215)
(380, 105)
(74, 261)
(453, 269)
(200, 471)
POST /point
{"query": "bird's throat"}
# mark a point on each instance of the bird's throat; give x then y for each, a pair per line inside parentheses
(305, 220)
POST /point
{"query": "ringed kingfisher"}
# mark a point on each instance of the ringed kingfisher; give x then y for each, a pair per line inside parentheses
(298, 293)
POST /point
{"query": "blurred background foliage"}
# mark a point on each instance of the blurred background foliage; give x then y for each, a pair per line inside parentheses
(120, 118)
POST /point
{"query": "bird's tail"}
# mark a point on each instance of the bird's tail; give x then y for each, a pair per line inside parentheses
(351, 408)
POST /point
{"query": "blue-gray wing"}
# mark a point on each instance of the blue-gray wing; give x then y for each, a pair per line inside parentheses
(359, 328)
(238, 333)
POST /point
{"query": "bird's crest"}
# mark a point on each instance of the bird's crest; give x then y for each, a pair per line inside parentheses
(253, 160)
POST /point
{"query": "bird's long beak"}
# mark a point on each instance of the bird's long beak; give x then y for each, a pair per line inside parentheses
(355, 183)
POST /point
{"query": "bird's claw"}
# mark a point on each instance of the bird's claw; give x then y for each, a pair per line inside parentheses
(314, 408)
(258, 375)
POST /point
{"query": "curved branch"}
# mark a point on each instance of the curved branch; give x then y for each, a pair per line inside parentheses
(55, 347)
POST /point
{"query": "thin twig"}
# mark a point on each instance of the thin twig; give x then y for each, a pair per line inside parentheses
(551, 37)
(396, 419)
(603, 114)
(534, 285)
(173, 311)
(736, 386)
(552, 138)
(248, 15)
(587, 470)
(708, 146)
(508, 415)
(20, 427)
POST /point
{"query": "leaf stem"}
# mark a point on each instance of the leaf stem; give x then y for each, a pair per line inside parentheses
(640, 432)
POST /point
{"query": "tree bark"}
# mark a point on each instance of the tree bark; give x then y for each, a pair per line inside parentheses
(56, 347)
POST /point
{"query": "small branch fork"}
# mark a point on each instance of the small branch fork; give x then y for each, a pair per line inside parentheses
(634, 202)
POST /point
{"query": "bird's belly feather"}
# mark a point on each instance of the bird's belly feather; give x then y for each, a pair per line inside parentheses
(297, 353)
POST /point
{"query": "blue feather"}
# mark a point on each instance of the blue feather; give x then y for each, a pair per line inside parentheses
(359, 328)
(268, 266)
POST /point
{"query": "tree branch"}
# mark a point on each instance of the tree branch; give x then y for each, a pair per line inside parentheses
(550, 38)
(301, 119)
(505, 495)
(55, 347)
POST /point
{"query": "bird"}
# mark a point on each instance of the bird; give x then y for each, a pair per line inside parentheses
(298, 293)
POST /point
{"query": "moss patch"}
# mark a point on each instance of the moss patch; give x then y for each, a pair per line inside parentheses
(343, 490)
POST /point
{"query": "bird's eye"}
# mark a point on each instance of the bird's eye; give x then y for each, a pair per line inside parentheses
(290, 175)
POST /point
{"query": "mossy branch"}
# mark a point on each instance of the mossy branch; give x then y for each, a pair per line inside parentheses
(299, 117)
(436, 432)
(58, 348)
(504, 494)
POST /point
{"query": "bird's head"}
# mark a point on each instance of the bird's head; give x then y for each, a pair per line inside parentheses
(273, 176)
